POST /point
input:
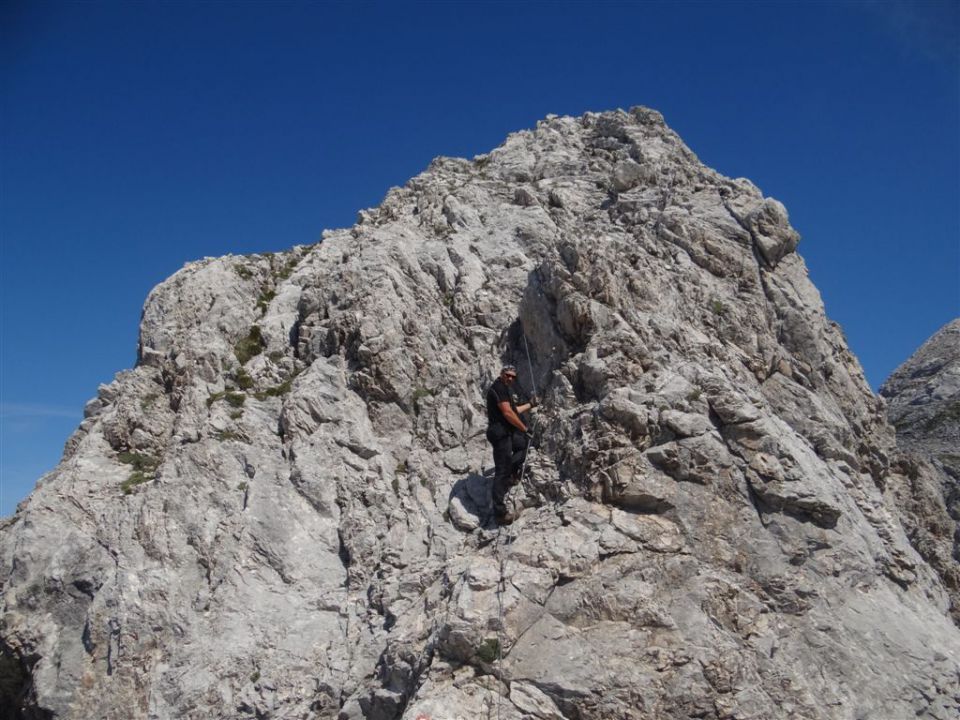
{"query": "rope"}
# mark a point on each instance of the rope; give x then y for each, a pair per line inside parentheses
(533, 380)
(501, 585)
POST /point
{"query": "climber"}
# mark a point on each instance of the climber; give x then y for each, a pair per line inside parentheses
(509, 436)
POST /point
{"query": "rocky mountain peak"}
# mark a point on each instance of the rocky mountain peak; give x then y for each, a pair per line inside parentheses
(283, 510)
(923, 394)
(923, 397)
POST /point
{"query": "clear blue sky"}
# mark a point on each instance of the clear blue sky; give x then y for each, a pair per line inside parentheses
(138, 136)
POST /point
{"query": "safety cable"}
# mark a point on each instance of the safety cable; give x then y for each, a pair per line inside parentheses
(533, 380)
(501, 585)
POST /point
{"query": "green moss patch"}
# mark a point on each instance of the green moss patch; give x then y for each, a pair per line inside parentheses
(139, 461)
(277, 390)
(242, 379)
(235, 399)
(250, 346)
(489, 650)
(287, 269)
(144, 469)
(264, 300)
(136, 478)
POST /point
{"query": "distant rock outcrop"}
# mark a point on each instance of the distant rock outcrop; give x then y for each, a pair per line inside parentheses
(923, 398)
(283, 510)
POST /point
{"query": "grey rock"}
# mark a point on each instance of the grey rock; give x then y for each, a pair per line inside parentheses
(283, 510)
(626, 175)
(923, 394)
(923, 403)
(522, 196)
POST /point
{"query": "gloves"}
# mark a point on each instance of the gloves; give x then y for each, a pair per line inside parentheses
(534, 401)
(531, 443)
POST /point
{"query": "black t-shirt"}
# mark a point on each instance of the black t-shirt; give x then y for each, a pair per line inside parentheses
(497, 393)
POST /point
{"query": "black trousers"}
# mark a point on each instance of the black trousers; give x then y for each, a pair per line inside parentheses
(509, 451)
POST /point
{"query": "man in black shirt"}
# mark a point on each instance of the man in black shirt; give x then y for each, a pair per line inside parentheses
(509, 436)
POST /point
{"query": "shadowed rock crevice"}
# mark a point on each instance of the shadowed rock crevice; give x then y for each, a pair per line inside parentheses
(17, 694)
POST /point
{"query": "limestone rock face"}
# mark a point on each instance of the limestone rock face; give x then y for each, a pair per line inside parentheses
(283, 510)
(923, 398)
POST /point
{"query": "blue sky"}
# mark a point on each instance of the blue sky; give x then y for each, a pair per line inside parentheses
(139, 136)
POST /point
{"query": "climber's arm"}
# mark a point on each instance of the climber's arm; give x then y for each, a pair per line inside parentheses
(511, 416)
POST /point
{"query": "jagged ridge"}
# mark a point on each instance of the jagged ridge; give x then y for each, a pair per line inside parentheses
(281, 511)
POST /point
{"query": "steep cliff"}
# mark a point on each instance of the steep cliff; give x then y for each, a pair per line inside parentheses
(923, 398)
(283, 510)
